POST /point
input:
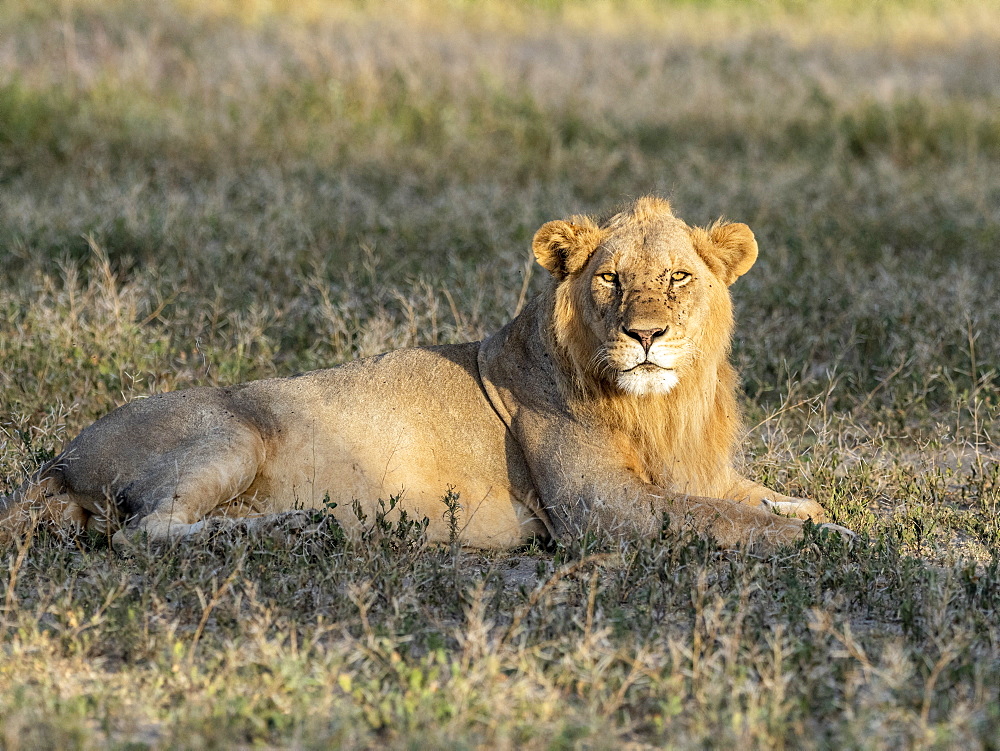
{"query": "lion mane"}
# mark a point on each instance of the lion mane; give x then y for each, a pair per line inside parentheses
(693, 437)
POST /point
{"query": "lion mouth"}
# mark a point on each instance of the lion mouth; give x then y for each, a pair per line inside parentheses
(644, 366)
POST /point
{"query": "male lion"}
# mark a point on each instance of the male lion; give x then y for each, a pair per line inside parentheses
(608, 403)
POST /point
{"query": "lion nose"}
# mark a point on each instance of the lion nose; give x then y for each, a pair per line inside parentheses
(645, 337)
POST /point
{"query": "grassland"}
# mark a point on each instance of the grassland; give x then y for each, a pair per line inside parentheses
(203, 193)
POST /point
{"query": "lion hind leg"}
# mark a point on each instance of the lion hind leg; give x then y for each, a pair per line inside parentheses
(185, 487)
(155, 528)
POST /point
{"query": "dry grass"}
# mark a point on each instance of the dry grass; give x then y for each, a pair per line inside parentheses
(199, 193)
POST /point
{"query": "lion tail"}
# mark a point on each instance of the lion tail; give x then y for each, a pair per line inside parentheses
(40, 500)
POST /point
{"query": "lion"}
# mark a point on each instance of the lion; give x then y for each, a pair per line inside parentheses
(608, 404)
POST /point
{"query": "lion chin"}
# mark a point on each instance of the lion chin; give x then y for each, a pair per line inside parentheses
(538, 431)
(647, 379)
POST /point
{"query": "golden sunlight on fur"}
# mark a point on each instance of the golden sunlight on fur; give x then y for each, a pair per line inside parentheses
(609, 404)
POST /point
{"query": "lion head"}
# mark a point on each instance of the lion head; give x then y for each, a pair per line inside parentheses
(642, 322)
(642, 299)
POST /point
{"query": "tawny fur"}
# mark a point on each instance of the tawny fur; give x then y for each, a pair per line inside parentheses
(608, 403)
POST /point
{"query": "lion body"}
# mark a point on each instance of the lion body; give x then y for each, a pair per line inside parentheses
(371, 429)
(608, 403)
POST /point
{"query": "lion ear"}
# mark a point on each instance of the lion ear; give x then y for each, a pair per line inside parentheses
(562, 247)
(729, 248)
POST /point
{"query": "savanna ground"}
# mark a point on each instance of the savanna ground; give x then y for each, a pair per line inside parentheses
(208, 192)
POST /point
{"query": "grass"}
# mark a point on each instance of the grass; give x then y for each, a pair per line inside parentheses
(204, 193)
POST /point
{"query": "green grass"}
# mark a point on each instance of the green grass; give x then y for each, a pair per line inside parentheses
(204, 193)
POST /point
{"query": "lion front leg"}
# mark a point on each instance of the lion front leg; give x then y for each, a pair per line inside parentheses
(732, 523)
(642, 509)
(729, 523)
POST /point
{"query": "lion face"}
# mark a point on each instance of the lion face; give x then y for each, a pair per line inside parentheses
(649, 302)
(643, 298)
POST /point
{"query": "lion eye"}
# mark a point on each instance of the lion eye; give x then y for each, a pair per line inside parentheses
(609, 278)
(680, 276)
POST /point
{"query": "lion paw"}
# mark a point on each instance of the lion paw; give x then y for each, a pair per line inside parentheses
(799, 508)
